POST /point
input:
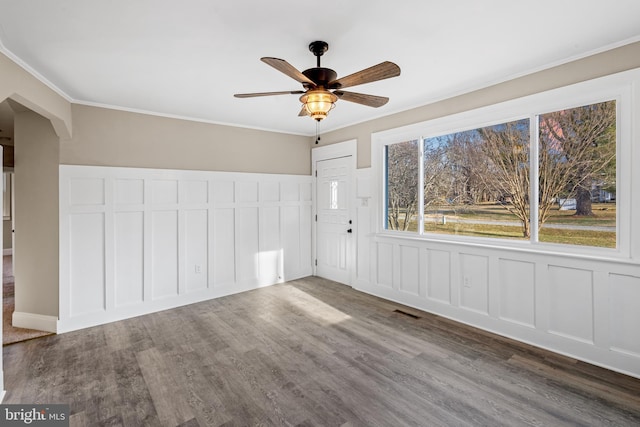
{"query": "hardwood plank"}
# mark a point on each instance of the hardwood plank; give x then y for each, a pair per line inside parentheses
(209, 408)
(133, 390)
(168, 399)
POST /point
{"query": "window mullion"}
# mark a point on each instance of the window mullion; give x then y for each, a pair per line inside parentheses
(534, 181)
(421, 186)
(385, 188)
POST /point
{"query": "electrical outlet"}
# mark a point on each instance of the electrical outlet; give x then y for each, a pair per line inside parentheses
(198, 269)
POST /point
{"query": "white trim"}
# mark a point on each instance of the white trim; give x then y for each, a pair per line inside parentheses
(8, 251)
(34, 321)
(326, 152)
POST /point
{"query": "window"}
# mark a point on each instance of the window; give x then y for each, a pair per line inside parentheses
(549, 172)
(476, 182)
(402, 182)
(577, 175)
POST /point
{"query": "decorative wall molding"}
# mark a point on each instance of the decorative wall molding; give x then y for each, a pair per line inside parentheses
(134, 241)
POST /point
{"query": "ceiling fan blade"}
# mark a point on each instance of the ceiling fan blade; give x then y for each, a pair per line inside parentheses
(361, 98)
(288, 69)
(303, 112)
(253, 95)
(382, 71)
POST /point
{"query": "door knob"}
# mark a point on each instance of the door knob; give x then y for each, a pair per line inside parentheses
(349, 231)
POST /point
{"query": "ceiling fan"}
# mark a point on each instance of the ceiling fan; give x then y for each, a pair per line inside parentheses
(323, 88)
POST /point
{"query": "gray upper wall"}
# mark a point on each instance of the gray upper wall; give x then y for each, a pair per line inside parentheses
(613, 61)
(106, 137)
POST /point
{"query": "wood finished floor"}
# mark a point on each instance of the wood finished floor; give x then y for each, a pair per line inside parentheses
(310, 352)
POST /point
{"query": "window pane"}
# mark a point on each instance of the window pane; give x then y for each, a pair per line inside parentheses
(577, 176)
(402, 186)
(476, 182)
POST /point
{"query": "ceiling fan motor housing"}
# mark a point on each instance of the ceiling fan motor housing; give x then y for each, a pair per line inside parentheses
(320, 76)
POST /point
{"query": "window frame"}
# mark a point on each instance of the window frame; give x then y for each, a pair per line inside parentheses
(621, 87)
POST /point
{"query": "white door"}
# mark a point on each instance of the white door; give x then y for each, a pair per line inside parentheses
(334, 226)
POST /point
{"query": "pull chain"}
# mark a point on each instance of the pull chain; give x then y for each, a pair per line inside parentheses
(317, 132)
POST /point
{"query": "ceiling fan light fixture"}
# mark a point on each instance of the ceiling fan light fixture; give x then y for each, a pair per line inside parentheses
(318, 103)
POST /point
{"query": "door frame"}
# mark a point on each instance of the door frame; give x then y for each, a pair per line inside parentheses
(328, 152)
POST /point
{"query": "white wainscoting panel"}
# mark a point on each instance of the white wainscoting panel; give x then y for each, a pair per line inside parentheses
(384, 266)
(129, 192)
(194, 192)
(581, 306)
(135, 241)
(164, 253)
(571, 303)
(196, 249)
(410, 270)
(517, 292)
(247, 245)
(291, 221)
(86, 192)
(269, 191)
(87, 266)
(224, 256)
(224, 192)
(271, 247)
(164, 191)
(439, 275)
(129, 258)
(474, 283)
(625, 315)
(247, 191)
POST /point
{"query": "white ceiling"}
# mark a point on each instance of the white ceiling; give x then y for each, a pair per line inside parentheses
(187, 58)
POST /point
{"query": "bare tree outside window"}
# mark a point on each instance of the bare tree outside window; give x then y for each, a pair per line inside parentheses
(506, 148)
(402, 185)
(479, 178)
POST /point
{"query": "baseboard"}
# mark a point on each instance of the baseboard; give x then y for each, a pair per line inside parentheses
(8, 251)
(35, 321)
